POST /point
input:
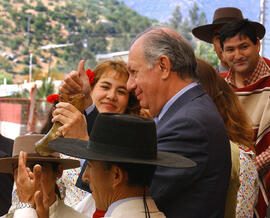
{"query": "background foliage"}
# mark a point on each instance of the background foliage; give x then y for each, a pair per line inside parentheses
(93, 26)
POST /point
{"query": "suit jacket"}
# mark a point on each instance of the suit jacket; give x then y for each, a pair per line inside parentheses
(193, 127)
(6, 180)
(135, 209)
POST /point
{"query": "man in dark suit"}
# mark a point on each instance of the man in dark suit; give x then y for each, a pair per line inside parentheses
(163, 76)
(6, 180)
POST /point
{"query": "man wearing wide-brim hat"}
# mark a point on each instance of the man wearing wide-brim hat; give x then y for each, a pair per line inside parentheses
(249, 76)
(122, 155)
(45, 172)
(210, 32)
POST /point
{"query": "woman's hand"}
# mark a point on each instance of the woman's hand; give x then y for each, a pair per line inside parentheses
(77, 82)
(73, 121)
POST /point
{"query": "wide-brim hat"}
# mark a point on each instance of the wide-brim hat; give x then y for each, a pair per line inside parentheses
(121, 138)
(26, 143)
(223, 16)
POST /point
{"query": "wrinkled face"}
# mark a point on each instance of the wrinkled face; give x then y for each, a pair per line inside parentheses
(100, 183)
(241, 54)
(47, 179)
(143, 80)
(110, 94)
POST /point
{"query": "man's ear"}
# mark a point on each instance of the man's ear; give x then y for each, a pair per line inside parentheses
(119, 176)
(258, 44)
(165, 66)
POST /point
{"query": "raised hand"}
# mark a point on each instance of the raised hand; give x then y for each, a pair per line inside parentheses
(77, 82)
(42, 206)
(27, 182)
(73, 121)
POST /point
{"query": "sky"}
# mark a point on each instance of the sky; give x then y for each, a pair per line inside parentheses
(163, 9)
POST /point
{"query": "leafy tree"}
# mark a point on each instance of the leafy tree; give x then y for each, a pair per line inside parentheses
(8, 78)
(40, 7)
(185, 26)
(21, 94)
(206, 52)
(121, 43)
(202, 19)
(14, 43)
(5, 65)
(25, 71)
(176, 20)
(193, 15)
(26, 60)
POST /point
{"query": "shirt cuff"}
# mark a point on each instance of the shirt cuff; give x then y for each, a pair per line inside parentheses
(25, 213)
(89, 109)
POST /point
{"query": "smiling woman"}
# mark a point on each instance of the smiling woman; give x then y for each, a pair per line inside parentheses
(108, 94)
(109, 91)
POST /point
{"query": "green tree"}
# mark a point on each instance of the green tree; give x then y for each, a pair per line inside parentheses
(21, 94)
(5, 65)
(202, 19)
(194, 15)
(206, 52)
(40, 7)
(8, 78)
(176, 20)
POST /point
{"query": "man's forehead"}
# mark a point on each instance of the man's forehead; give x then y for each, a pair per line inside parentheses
(237, 39)
(135, 55)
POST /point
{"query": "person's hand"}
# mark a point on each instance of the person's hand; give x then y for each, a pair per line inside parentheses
(42, 205)
(73, 121)
(27, 182)
(77, 82)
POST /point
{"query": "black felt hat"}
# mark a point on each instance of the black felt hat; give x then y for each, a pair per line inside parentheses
(223, 16)
(121, 138)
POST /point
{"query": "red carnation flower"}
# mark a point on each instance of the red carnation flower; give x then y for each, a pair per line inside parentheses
(53, 98)
(90, 75)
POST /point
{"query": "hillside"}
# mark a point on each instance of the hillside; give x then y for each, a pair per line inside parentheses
(91, 26)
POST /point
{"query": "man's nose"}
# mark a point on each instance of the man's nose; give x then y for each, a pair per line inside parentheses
(238, 54)
(131, 83)
(85, 176)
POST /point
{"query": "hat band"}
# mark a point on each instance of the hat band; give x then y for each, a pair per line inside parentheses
(225, 20)
(141, 152)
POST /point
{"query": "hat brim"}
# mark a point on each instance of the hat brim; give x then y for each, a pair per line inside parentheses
(80, 149)
(6, 164)
(205, 32)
